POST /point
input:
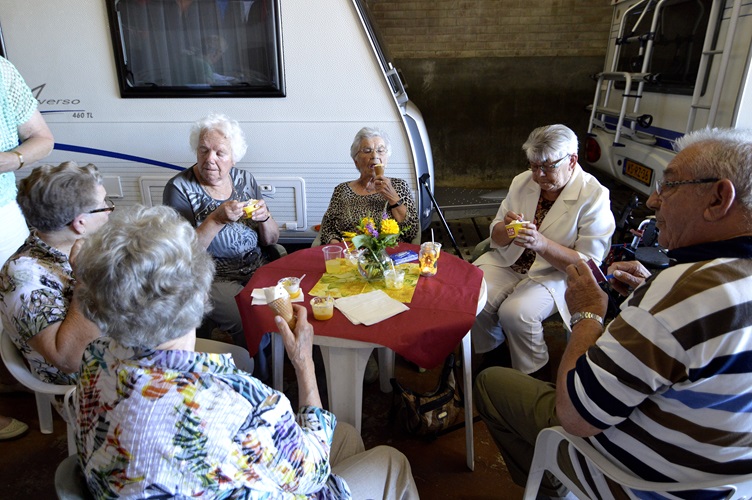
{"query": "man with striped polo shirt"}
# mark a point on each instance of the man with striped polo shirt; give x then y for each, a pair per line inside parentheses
(665, 391)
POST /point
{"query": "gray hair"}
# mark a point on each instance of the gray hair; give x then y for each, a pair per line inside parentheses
(144, 277)
(230, 129)
(52, 196)
(550, 143)
(368, 133)
(725, 154)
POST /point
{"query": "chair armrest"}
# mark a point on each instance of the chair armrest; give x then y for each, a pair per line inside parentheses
(481, 248)
(273, 252)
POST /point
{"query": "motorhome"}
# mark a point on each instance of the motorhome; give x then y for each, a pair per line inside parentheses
(672, 66)
(121, 81)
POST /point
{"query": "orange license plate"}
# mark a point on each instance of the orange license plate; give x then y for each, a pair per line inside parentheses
(638, 172)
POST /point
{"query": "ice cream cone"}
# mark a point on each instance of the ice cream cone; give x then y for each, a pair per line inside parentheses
(283, 307)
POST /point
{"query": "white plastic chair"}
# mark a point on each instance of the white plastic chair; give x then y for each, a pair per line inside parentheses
(70, 483)
(43, 391)
(545, 459)
(240, 355)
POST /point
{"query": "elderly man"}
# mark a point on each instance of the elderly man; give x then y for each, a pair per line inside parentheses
(664, 391)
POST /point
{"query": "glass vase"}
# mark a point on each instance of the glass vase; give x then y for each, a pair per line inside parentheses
(371, 265)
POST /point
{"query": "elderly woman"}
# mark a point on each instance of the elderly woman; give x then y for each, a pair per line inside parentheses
(211, 195)
(38, 303)
(157, 418)
(370, 195)
(568, 219)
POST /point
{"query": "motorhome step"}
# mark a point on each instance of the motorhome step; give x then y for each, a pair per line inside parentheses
(700, 106)
(612, 112)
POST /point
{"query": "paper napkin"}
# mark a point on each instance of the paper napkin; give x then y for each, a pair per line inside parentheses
(259, 299)
(369, 308)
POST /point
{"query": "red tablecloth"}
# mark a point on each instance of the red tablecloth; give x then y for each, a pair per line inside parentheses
(441, 312)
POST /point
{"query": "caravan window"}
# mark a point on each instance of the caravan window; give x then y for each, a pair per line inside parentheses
(197, 48)
(679, 37)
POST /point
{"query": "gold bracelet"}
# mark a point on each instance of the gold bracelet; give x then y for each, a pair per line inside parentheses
(20, 158)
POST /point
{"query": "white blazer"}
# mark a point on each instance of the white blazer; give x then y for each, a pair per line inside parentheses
(580, 219)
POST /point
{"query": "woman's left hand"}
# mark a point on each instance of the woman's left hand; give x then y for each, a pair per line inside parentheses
(384, 186)
(261, 214)
(529, 237)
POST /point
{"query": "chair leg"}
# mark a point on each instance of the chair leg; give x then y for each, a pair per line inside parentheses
(44, 411)
(386, 368)
(71, 440)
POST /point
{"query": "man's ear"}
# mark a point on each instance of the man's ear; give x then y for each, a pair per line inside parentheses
(722, 198)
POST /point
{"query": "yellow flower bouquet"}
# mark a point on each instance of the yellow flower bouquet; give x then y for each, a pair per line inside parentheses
(374, 238)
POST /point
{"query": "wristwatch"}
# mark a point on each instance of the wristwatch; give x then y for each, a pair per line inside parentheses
(399, 203)
(579, 316)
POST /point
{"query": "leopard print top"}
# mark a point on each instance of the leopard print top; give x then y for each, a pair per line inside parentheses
(347, 208)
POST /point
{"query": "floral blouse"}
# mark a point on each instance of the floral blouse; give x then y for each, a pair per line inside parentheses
(182, 424)
(36, 287)
(347, 208)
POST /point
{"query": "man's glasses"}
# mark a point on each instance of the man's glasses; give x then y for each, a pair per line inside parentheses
(109, 208)
(548, 168)
(367, 151)
(662, 185)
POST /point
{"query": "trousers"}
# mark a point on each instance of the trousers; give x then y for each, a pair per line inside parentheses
(515, 310)
(381, 472)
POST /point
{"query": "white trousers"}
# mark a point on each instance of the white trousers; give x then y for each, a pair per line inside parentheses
(515, 310)
(379, 473)
(15, 231)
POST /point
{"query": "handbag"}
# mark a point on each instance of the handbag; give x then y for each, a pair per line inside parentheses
(428, 414)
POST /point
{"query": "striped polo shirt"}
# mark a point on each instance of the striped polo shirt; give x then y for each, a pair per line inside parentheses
(670, 380)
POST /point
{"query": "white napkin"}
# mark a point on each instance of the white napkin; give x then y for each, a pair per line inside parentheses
(259, 298)
(369, 308)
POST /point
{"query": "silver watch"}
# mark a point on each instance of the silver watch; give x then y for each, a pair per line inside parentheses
(579, 316)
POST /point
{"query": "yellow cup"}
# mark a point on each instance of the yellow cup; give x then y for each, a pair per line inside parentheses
(513, 228)
(323, 308)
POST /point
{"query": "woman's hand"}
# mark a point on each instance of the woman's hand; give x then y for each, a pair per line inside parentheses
(583, 293)
(627, 276)
(299, 347)
(529, 237)
(229, 211)
(298, 344)
(261, 213)
(510, 217)
(384, 186)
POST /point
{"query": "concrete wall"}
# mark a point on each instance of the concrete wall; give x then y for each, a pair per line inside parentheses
(486, 72)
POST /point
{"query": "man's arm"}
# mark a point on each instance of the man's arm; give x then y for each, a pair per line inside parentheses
(583, 294)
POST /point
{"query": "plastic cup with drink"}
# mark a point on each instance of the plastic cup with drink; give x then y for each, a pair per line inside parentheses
(332, 256)
(394, 278)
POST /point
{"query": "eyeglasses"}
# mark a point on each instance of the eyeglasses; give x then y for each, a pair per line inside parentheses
(367, 151)
(662, 185)
(548, 168)
(109, 208)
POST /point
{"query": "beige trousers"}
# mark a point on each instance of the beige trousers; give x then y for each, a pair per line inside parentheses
(379, 473)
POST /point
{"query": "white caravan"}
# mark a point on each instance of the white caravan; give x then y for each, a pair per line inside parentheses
(121, 81)
(672, 66)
